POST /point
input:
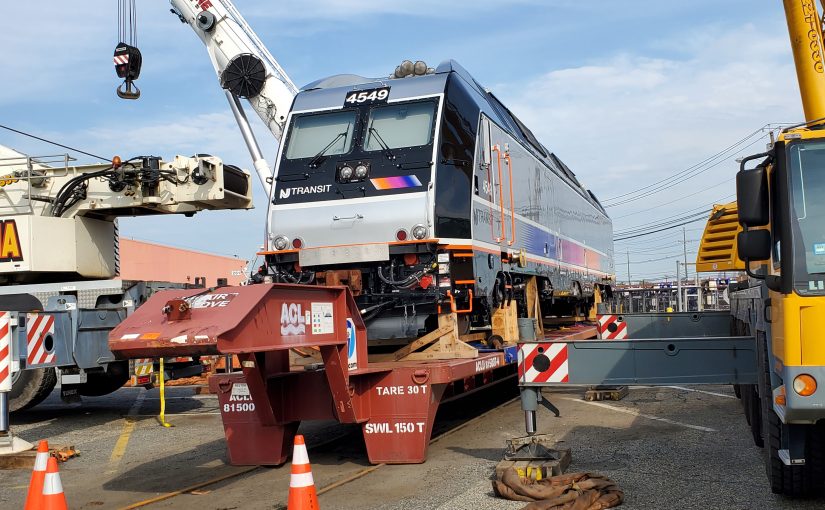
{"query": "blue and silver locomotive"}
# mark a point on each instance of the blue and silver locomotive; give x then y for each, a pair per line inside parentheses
(424, 194)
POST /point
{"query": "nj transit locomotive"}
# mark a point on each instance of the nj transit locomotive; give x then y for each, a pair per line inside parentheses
(426, 194)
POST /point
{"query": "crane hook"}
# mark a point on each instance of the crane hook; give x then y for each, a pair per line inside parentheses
(128, 61)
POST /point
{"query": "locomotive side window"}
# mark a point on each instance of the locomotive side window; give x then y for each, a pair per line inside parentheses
(400, 125)
(327, 133)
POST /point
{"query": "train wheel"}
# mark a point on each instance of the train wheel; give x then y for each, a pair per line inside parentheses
(30, 387)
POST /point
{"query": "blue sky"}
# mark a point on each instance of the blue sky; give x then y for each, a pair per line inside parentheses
(626, 93)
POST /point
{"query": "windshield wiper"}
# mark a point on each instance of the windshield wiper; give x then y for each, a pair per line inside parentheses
(387, 151)
(317, 158)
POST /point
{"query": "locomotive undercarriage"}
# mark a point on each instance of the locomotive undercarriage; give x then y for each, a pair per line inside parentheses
(401, 298)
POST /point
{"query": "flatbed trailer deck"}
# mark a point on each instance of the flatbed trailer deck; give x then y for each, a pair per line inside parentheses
(395, 402)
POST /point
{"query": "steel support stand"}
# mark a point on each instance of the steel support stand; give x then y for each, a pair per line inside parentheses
(529, 404)
(14, 452)
(4, 415)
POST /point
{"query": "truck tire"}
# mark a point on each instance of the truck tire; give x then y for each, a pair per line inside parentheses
(31, 387)
(791, 481)
(748, 394)
(753, 412)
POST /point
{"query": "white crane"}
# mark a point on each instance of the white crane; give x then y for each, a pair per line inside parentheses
(245, 69)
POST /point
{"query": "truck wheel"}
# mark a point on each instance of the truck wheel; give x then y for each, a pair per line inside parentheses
(101, 382)
(753, 412)
(30, 387)
(792, 481)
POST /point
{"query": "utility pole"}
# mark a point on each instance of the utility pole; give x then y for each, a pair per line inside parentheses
(678, 287)
(684, 247)
(628, 268)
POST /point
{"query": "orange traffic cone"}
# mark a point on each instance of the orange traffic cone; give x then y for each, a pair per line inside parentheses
(34, 500)
(302, 494)
(53, 497)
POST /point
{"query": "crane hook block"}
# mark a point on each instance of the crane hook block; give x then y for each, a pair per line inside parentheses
(127, 61)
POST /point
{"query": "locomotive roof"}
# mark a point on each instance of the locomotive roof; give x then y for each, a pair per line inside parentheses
(328, 93)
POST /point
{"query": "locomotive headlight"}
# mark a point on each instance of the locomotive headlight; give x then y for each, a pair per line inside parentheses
(419, 231)
(281, 242)
(361, 171)
(346, 172)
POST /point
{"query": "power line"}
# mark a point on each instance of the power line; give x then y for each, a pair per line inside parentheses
(681, 197)
(54, 143)
(675, 183)
(645, 242)
(655, 250)
(700, 217)
(668, 257)
(689, 172)
(662, 222)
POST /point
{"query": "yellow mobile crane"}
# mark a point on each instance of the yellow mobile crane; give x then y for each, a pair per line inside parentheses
(771, 345)
(780, 242)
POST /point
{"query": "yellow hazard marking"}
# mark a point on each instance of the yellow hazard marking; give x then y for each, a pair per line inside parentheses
(123, 440)
(129, 424)
(144, 366)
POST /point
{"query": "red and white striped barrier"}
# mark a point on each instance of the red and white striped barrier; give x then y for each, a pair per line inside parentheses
(5, 351)
(40, 339)
(543, 363)
(612, 327)
(121, 59)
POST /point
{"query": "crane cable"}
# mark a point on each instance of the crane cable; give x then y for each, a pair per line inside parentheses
(127, 57)
(127, 22)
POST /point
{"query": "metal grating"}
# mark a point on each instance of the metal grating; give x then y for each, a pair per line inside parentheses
(717, 249)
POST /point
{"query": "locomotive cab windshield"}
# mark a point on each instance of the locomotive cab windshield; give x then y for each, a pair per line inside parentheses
(362, 151)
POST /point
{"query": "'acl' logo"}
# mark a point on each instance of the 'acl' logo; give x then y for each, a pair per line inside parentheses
(9, 242)
(292, 320)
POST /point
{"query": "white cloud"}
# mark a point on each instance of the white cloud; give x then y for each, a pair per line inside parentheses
(663, 112)
(629, 120)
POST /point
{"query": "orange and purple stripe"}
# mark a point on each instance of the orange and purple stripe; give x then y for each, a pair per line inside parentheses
(399, 181)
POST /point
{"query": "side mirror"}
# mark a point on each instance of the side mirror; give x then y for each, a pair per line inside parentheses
(774, 282)
(753, 245)
(752, 197)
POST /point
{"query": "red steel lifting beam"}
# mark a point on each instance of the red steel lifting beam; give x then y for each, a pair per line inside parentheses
(395, 402)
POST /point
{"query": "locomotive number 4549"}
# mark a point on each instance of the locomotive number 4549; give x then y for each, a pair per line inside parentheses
(379, 95)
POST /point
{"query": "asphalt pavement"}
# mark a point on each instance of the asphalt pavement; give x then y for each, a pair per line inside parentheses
(667, 447)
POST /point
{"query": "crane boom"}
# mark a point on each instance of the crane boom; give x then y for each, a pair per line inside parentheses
(244, 67)
(805, 31)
